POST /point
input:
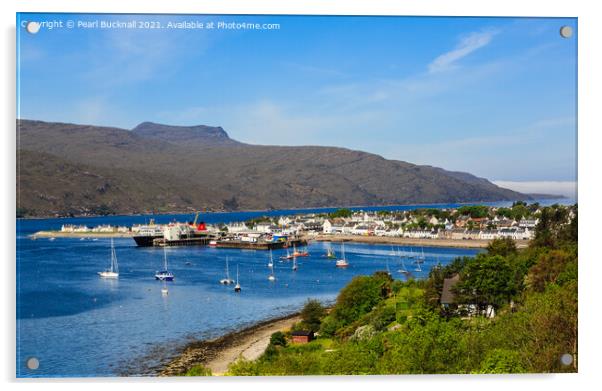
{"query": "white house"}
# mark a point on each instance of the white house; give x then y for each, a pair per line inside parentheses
(528, 223)
(361, 229)
(284, 221)
(236, 227)
(347, 229)
(263, 227)
(489, 234)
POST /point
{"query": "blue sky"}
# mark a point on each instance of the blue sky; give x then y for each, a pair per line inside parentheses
(492, 96)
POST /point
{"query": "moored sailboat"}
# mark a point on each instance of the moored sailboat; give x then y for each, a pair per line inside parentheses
(164, 275)
(330, 254)
(303, 253)
(237, 286)
(271, 277)
(287, 256)
(113, 271)
(403, 269)
(342, 263)
(227, 280)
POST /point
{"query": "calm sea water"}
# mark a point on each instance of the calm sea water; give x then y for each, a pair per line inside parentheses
(77, 324)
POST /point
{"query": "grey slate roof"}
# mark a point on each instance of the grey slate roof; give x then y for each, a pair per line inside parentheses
(447, 296)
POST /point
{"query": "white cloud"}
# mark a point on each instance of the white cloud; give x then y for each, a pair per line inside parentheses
(467, 45)
(565, 188)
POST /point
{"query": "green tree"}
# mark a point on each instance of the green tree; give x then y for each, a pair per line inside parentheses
(427, 344)
(278, 339)
(343, 212)
(502, 246)
(487, 280)
(312, 314)
(548, 268)
(551, 227)
(474, 211)
(356, 299)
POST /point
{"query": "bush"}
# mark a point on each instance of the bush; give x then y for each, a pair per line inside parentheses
(278, 339)
(360, 296)
(198, 370)
(329, 326)
(548, 268)
(502, 361)
(312, 315)
(363, 333)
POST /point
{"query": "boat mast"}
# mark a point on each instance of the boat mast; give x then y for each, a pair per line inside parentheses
(114, 266)
(164, 257)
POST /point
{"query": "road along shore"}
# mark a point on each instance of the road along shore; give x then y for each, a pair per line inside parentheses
(59, 234)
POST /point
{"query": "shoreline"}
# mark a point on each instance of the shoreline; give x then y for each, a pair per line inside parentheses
(59, 234)
(383, 240)
(216, 354)
(478, 202)
(453, 243)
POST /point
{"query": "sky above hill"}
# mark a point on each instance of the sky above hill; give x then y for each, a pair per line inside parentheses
(492, 96)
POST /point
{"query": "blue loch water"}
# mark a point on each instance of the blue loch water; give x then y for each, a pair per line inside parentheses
(77, 324)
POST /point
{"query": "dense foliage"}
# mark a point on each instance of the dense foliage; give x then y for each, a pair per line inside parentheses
(343, 212)
(382, 326)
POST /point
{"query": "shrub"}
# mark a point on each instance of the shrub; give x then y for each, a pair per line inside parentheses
(278, 339)
(198, 370)
(502, 361)
(312, 315)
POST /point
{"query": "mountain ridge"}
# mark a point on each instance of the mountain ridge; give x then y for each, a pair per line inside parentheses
(208, 169)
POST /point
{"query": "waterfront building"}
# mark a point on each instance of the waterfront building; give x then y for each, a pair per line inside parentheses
(263, 227)
(348, 228)
(489, 234)
(362, 230)
(236, 227)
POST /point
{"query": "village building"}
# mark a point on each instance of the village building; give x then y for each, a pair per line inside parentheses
(447, 295)
(448, 299)
(313, 226)
(473, 234)
(284, 221)
(462, 221)
(263, 227)
(362, 230)
(236, 227)
(302, 336)
(348, 228)
(420, 234)
(528, 223)
(489, 234)
(505, 223)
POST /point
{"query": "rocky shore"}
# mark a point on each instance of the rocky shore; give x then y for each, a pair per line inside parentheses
(218, 353)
